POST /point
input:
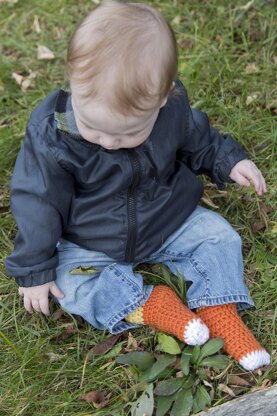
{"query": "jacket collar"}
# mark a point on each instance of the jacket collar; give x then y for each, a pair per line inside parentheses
(64, 115)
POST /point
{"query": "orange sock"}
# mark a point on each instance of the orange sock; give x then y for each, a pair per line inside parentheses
(165, 311)
(224, 322)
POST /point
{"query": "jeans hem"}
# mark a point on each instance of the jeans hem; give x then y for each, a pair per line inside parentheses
(242, 301)
(116, 324)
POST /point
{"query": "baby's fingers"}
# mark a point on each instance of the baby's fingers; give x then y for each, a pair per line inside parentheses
(44, 306)
(28, 304)
(241, 179)
(36, 305)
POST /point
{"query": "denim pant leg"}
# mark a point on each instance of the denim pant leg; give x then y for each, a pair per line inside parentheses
(103, 297)
(206, 251)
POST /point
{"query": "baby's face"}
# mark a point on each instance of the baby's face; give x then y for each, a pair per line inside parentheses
(97, 124)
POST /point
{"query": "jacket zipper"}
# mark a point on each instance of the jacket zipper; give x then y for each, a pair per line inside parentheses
(131, 207)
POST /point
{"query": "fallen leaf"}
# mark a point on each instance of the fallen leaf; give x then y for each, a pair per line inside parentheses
(237, 381)
(67, 333)
(251, 98)
(18, 78)
(44, 53)
(207, 200)
(54, 357)
(57, 315)
(36, 25)
(24, 81)
(96, 397)
(9, 1)
(103, 347)
(251, 68)
(275, 59)
(265, 208)
(186, 43)
(226, 389)
(265, 384)
(176, 20)
(132, 343)
(4, 210)
(258, 226)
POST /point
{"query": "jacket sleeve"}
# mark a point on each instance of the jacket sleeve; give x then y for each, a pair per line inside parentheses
(206, 151)
(40, 198)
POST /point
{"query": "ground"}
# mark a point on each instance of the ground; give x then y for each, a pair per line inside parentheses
(228, 64)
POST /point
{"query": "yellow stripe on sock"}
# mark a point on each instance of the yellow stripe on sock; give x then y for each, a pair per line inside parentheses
(136, 317)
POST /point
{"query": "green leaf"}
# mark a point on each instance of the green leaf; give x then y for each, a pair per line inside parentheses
(195, 354)
(145, 404)
(84, 270)
(163, 404)
(185, 361)
(162, 362)
(168, 344)
(202, 374)
(164, 374)
(115, 350)
(217, 361)
(168, 387)
(211, 347)
(202, 397)
(183, 403)
(188, 383)
(141, 359)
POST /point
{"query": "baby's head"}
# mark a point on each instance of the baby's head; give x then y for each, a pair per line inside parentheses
(121, 63)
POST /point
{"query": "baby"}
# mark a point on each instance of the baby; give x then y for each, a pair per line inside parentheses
(107, 179)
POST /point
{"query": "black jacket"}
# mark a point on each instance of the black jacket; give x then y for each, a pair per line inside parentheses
(124, 203)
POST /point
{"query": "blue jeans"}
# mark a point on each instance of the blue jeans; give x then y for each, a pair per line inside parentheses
(205, 250)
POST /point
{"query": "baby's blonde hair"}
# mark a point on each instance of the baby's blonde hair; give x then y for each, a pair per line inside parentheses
(124, 53)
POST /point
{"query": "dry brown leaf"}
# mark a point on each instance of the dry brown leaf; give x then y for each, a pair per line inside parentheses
(5, 209)
(103, 347)
(226, 389)
(207, 200)
(54, 357)
(275, 59)
(237, 381)
(57, 315)
(265, 208)
(44, 53)
(36, 25)
(186, 43)
(258, 226)
(67, 333)
(251, 68)
(251, 98)
(97, 398)
(17, 77)
(9, 1)
(132, 343)
(24, 81)
(176, 20)
(265, 384)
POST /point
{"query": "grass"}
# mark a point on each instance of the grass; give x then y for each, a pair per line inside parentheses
(226, 55)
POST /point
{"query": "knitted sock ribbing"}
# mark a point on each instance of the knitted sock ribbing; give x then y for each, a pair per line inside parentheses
(166, 312)
(224, 322)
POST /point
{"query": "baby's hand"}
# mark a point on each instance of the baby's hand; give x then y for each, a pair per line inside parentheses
(245, 172)
(36, 297)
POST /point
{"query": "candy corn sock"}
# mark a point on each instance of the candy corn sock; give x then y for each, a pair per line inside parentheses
(165, 311)
(224, 322)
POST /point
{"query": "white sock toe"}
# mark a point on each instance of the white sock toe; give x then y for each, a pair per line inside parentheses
(255, 359)
(196, 332)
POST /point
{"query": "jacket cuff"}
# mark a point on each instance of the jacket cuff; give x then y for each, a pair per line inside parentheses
(36, 279)
(226, 159)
